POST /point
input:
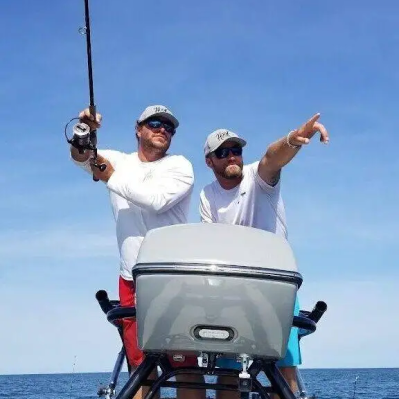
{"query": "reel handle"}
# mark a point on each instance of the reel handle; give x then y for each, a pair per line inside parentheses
(101, 166)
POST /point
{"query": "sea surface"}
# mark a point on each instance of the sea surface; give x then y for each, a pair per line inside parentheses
(324, 383)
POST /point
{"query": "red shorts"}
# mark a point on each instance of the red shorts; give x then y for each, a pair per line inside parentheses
(135, 356)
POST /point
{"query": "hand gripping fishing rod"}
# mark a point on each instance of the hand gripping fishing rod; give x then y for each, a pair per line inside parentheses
(84, 138)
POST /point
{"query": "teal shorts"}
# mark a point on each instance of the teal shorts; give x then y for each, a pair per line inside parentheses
(292, 356)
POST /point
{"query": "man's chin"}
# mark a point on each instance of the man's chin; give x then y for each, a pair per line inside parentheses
(160, 145)
(233, 171)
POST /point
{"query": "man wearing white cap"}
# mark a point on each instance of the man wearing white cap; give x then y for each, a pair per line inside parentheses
(148, 189)
(249, 195)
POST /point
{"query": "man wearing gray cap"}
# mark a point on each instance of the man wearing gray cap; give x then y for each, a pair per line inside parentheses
(148, 189)
(249, 195)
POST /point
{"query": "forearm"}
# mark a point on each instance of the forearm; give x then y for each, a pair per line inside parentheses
(79, 157)
(138, 195)
(279, 154)
(81, 160)
(150, 195)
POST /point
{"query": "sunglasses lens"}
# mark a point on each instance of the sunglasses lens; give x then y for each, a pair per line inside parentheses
(155, 124)
(168, 128)
(221, 153)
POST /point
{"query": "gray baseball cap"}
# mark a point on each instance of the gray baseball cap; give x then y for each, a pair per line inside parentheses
(158, 110)
(220, 136)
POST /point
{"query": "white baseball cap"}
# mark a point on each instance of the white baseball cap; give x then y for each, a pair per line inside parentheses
(158, 110)
(218, 137)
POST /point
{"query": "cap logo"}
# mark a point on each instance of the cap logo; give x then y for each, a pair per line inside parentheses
(222, 135)
(161, 109)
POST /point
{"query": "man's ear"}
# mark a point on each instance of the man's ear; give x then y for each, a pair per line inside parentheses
(208, 162)
(138, 131)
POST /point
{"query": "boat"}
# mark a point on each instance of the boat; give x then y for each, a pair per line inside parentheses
(213, 291)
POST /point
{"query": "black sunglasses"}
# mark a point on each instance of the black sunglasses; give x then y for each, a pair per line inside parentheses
(158, 124)
(221, 153)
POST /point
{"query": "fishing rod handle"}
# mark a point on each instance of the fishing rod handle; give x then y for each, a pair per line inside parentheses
(93, 134)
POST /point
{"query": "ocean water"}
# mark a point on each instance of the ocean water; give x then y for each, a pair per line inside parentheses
(324, 383)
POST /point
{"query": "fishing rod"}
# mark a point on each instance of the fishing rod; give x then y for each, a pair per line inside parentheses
(83, 137)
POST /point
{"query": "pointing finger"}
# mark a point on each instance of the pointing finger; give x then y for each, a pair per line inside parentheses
(307, 127)
(313, 119)
(310, 123)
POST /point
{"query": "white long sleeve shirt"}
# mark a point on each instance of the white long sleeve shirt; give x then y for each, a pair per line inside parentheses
(145, 195)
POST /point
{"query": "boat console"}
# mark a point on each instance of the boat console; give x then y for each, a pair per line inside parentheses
(213, 291)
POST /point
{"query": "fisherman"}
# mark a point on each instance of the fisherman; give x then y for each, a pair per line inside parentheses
(249, 195)
(148, 188)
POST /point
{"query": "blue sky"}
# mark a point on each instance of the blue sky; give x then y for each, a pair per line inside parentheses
(258, 68)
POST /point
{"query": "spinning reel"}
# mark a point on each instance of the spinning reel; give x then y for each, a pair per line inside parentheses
(84, 139)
